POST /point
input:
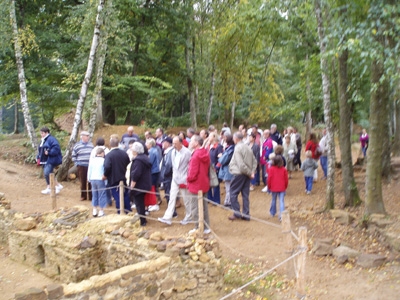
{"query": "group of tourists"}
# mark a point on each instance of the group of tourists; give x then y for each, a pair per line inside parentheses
(180, 165)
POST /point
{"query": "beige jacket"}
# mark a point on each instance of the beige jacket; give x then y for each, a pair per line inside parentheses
(243, 160)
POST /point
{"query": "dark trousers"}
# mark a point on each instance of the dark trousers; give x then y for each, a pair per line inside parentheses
(256, 179)
(298, 159)
(127, 202)
(82, 174)
(139, 202)
(154, 181)
(240, 184)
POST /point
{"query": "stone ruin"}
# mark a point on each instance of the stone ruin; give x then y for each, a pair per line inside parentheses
(109, 257)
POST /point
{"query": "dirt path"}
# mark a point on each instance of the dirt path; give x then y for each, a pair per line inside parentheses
(250, 241)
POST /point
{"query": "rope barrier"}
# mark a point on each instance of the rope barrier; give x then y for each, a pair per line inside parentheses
(262, 275)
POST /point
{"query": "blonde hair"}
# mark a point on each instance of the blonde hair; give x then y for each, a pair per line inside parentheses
(308, 154)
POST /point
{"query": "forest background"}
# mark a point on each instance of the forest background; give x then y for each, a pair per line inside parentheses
(193, 63)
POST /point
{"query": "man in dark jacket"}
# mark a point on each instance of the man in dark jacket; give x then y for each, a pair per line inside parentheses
(275, 135)
(49, 156)
(115, 163)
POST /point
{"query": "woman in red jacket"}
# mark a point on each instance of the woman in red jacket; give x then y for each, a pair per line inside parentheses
(277, 185)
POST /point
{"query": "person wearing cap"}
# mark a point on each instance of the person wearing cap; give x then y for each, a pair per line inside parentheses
(49, 156)
(81, 156)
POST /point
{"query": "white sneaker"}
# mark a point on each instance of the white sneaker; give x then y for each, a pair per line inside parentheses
(184, 222)
(147, 213)
(101, 213)
(194, 230)
(46, 191)
(265, 189)
(133, 206)
(165, 221)
(94, 213)
(207, 231)
(154, 207)
(59, 186)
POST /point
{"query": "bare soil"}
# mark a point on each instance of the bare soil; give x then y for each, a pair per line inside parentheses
(259, 241)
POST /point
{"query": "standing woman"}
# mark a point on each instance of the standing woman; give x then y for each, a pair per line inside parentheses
(223, 166)
(312, 145)
(215, 150)
(155, 159)
(140, 179)
(256, 151)
(364, 139)
(289, 152)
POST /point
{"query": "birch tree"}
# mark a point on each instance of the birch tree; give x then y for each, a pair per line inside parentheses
(330, 186)
(21, 78)
(62, 174)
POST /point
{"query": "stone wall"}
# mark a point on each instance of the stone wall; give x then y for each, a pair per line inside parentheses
(110, 257)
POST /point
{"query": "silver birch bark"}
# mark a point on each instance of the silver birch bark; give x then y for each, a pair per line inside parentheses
(62, 174)
(21, 78)
(330, 186)
(96, 114)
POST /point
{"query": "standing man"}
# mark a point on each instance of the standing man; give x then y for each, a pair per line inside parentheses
(160, 136)
(275, 135)
(323, 159)
(115, 163)
(198, 180)
(242, 166)
(180, 157)
(81, 156)
(126, 137)
(49, 156)
(189, 133)
(166, 169)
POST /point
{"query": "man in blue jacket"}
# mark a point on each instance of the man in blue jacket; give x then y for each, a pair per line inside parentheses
(49, 156)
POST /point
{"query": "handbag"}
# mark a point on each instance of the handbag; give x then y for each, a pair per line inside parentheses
(213, 176)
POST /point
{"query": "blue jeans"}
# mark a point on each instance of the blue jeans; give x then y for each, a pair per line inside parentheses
(309, 182)
(256, 179)
(214, 194)
(324, 164)
(272, 210)
(364, 151)
(127, 201)
(99, 193)
(47, 169)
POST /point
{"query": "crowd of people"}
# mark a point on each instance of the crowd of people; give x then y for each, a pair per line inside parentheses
(180, 165)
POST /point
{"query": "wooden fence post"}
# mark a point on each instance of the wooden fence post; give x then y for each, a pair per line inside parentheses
(301, 263)
(53, 191)
(201, 213)
(287, 238)
(121, 198)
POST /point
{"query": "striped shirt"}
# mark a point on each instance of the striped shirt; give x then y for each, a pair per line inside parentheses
(81, 153)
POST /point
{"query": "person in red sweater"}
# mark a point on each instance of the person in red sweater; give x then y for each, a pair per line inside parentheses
(198, 180)
(277, 184)
(312, 145)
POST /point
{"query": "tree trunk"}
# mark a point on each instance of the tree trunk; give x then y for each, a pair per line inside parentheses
(330, 186)
(374, 200)
(346, 110)
(190, 87)
(309, 100)
(96, 115)
(396, 144)
(21, 78)
(211, 99)
(16, 118)
(62, 173)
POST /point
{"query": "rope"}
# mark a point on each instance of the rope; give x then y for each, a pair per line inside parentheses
(262, 275)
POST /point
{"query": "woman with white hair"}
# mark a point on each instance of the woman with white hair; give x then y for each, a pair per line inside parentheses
(140, 179)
